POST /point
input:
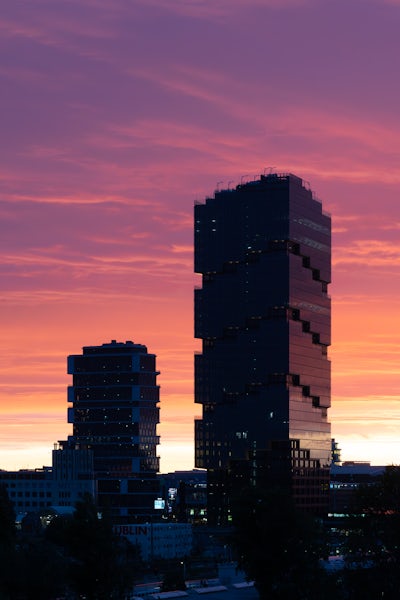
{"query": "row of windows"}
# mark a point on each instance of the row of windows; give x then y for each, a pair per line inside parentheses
(115, 414)
(134, 486)
(37, 478)
(23, 484)
(108, 379)
(93, 397)
(29, 494)
(93, 364)
(101, 429)
(28, 504)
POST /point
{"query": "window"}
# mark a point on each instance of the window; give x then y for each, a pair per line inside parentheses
(315, 338)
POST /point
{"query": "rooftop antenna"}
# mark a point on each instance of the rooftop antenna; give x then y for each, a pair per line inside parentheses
(218, 184)
(242, 177)
(270, 170)
(229, 184)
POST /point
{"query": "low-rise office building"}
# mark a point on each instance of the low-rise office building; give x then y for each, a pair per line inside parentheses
(63, 484)
(159, 540)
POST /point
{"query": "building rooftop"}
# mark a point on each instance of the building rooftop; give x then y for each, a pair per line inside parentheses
(359, 468)
(233, 591)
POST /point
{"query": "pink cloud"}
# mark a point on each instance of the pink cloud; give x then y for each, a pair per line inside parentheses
(220, 8)
(370, 253)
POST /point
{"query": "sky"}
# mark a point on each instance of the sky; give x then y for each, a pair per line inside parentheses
(116, 116)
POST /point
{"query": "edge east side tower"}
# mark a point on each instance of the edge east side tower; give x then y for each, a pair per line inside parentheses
(263, 314)
(115, 415)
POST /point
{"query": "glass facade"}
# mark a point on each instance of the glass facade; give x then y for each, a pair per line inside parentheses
(115, 414)
(263, 314)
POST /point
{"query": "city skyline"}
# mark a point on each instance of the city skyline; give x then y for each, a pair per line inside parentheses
(116, 119)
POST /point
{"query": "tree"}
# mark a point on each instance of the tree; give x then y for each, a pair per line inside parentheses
(100, 563)
(42, 569)
(8, 555)
(373, 544)
(278, 546)
(173, 578)
(7, 519)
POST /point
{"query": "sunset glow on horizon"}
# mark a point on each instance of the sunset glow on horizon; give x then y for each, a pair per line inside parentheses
(116, 118)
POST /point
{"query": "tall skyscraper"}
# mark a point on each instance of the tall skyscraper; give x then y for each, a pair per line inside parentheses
(263, 314)
(114, 413)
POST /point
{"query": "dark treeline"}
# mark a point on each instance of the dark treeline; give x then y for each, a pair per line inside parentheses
(74, 556)
(284, 550)
(280, 548)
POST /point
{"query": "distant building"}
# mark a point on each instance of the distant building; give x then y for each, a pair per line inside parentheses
(30, 490)
(185, 494)
(72, 473)
(115, 413)
(336, 453)
(345, 481)
(263, 314)
(60, 486)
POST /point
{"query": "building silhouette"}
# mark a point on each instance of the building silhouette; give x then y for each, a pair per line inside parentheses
(263, 314)
(115, 413)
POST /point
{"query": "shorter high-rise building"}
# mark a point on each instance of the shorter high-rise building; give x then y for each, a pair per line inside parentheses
(115, 413)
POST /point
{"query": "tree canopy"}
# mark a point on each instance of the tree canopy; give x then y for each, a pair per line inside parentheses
(278, 546)
(101, 565)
